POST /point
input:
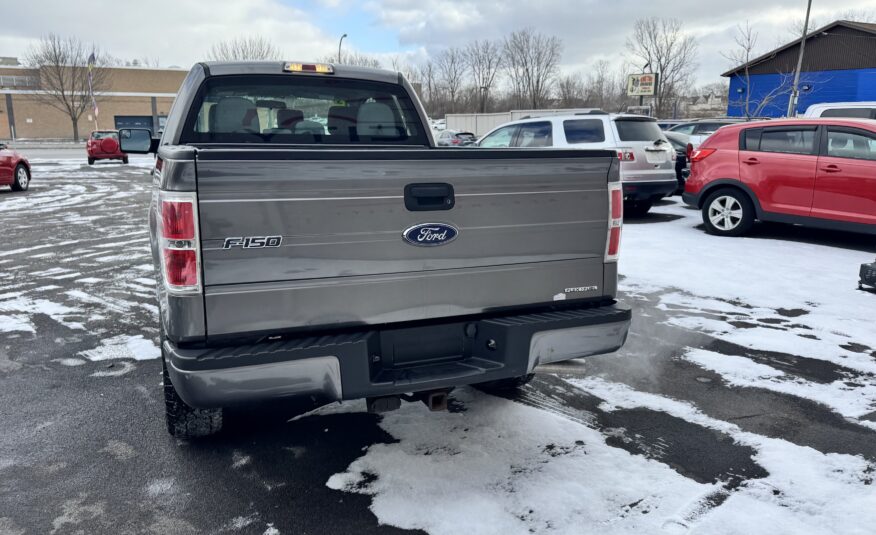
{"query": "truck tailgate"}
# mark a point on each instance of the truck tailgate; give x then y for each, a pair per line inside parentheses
(531, 224)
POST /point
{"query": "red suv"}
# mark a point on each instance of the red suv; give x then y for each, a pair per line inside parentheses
(104, 145)
(816, 172)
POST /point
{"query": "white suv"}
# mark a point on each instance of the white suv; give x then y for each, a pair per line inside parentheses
(647, 158)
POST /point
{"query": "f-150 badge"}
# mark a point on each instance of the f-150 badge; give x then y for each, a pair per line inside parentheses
(430, 234)
(253, 242)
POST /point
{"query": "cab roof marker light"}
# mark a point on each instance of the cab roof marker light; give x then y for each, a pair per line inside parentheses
(319, 68)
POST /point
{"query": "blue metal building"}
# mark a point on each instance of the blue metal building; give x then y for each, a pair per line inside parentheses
(839, 65)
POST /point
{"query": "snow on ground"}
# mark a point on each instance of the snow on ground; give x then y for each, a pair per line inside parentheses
(508, 468)
(84, 256)
(123, 347)
(805, 492)
(774, 295)
(496, 468)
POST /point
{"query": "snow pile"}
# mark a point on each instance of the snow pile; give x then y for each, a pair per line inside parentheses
(123, 347)
(500, 467)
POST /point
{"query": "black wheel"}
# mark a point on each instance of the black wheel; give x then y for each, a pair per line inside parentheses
(637, 208)
(125, 160)
(22, 178)
(91, 161)
(506, 385)
(183, 420)
(728, 212)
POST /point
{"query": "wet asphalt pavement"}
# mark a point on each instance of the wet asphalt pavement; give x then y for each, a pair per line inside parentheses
(83, 448)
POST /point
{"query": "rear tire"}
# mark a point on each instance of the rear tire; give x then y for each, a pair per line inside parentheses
(637, 208)
(91, 161)
(728, 212)
(125, 160)
(21, 179)
(506, 385)
(183, 420)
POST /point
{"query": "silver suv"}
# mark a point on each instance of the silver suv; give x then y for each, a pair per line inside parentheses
(647, 158)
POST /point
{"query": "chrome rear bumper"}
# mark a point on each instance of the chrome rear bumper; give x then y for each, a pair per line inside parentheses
(375, 363)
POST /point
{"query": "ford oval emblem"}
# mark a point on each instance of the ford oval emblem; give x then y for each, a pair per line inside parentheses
(430, 234)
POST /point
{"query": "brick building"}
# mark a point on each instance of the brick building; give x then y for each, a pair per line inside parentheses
(135, 97)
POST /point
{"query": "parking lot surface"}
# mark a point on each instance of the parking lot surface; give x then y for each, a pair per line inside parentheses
(743, 402)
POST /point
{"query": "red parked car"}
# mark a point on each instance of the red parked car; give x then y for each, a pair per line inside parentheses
(104, 145)
(14, 169)
(816, 172)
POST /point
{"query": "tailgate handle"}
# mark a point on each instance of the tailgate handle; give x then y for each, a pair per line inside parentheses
(430, 196)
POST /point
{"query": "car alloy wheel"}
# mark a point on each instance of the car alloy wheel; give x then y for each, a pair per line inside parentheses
(22, 177)
(725, 213)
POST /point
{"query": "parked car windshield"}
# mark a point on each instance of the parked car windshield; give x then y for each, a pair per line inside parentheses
(292, 109)
(638, 130)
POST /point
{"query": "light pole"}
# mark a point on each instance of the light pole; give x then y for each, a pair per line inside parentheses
(484, 90)
(339, 47)
(795, 91)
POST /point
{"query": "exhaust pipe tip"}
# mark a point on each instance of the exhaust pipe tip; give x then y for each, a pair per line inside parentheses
(436, 401)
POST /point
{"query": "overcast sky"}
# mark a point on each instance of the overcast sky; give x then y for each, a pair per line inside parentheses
(180, 32)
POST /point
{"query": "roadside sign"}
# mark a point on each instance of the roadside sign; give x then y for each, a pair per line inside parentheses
(642, 85)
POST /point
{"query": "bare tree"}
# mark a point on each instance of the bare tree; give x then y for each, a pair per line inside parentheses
(483, 60)
(253, 47)
(145, 61)
(531, 59)
(571, 91)
(400, 63)
(750, 103)
(451, 67)
(64, 75)
(662, 44)
(741, 56)
(606, 87)
(356, 59)
(428, 84)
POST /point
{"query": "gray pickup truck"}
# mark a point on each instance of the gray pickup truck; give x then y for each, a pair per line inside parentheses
(311, 240)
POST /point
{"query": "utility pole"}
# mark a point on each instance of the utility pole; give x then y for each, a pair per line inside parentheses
(642, 98)
(795, 90)
(339, 47)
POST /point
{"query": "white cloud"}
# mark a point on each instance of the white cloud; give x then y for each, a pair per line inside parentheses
(178, 32)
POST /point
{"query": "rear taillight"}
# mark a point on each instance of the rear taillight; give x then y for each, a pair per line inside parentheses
(626, 155)
(700, 155)
(180, 245)
(615, 221)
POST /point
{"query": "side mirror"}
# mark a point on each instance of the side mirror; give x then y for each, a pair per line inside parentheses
(137, 141)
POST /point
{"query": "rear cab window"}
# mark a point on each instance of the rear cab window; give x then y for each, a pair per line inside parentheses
(284, 109)
(584, 131)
